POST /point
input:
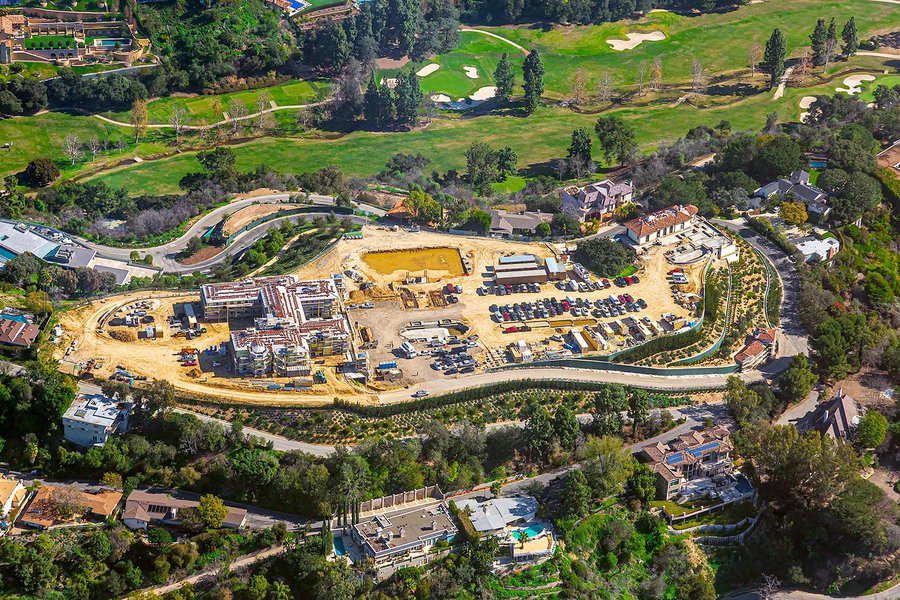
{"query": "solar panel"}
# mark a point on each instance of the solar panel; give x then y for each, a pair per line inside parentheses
(699, 451)
(674, 458)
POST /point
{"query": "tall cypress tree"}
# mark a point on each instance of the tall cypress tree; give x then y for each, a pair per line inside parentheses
(850, 37)
(818, 38)
(385, 105)
(830, 41)
(533, 73)
(774, 56)
(504, 78)
(371, 103)
(409, 97)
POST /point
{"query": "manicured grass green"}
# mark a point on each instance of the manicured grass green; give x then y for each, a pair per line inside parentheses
(721, 41)
(868, 94)
(475, 50)
(513, 183)
(677, 510)
(733, 513)
(211, 108)
(32, 70)
(537, 139)
(50, 41)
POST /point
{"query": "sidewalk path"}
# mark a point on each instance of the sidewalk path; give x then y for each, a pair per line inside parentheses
(217, 123)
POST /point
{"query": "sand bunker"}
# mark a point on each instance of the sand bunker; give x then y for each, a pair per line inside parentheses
(634, 40)
(428, 70)
(471, 72)
(484, 93)
(805, 103)
(852, 84)
(440, 98)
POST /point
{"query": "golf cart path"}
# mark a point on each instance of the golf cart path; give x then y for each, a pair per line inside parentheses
(275, 108)
(501, 38)
(880, 54)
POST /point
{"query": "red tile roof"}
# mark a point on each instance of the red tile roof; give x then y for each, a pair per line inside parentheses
(16, 333)
(655, 221)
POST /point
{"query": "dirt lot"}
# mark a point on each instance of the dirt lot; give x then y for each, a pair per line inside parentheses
(247, 215)
(158, 358)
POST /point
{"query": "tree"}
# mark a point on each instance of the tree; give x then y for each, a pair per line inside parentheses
(603, 256)
(850, 37)
(41, 172)
(237, 112)
(178, 119)
(580, 147)
(72, 147)
(656, 74)
(408, 98)
(797, 380)
(533, 73)
(698, 77)
(830, 42)
(643, 482)
(159, 397)
(111, 480)
(566, 427)
(504, 78)
(793, 212)
(94, 147)
(543, 230)
(617, 139)
(607, 464)
(696, 586)
(638, 406)
(609, 402)
(641, 77)
(211, 511)
(9, 103)
(871, 430)
(579, 90)
(507, 162)
(139, 118)
(754, 56)
(563, 224)
(773, 59)
(818, 39)
(576, 496)
(605, 87)
(538, 431)
(478, 220)
(481, 165)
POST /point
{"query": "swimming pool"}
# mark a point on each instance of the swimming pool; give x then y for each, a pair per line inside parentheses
(111, 42)
(19, 318)
(818, 164)
(533, 530)
(339, 548)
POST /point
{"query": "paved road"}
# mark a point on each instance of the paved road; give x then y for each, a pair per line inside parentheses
(164, 255)
(794, 338)
(890, 594)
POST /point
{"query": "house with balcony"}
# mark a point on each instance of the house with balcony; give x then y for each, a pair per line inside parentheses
(694, 456)
(595, 201)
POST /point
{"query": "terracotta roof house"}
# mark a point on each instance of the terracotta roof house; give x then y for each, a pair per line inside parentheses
(17, 333)
(12, 492)
(656, 225)
(52, 504)
(595, 201)
(762, 346)
(690, 456)
(161, 506)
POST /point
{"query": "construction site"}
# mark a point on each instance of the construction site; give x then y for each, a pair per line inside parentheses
(403, 307)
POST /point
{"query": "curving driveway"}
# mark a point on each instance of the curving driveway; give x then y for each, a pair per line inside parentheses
(164, 255)
(890, 594)
(794, 338)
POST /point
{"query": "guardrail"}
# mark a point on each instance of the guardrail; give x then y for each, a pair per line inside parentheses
(600, 364)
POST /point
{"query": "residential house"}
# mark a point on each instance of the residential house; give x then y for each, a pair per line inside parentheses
(92, 418)
(12, 492)
(799, 187)
(655, 226)
(403, 538)
(595, 201)
(56, 506)
(837, 418)
(166, 507)
(694, 455)
(17, 332)
(524, 223)
(762, 346)
(816, 249)
(495, 515)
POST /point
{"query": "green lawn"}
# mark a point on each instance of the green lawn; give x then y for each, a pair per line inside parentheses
(868, 94)
(721, 41)
(538, 139)
(204, 108)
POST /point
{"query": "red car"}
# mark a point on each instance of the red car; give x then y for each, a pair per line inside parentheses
(621, 299)
(606, 283)
(627, 280)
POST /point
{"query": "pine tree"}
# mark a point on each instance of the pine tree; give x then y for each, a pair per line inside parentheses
(504, 78)
(818, 39)
(385, 105)
(409, 97)
(372, 103)
(533, 73)
(830, 42)
(580, 147)
(774, 56)
(850, 37)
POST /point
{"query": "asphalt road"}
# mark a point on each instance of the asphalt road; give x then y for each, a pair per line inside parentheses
(889, 594)
(164, 255)
(794, 338)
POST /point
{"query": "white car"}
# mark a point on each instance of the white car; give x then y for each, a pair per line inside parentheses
(420, 394)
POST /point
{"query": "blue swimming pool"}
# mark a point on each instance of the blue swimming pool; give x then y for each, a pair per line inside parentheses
(111, 42)
(339, 548)
(818, 164)
(533, 530)
(19, 318)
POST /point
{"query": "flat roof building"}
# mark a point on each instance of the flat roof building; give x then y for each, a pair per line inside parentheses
(91, 419)
(494, 515)
(403, 536)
